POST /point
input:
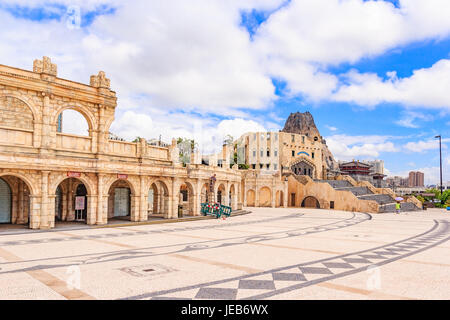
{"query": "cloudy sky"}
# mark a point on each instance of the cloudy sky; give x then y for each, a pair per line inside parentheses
(374, 74)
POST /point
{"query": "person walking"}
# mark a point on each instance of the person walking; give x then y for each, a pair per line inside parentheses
(398, 207)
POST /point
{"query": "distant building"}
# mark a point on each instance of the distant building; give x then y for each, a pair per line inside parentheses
(397, 181)
(416, 179)
(371, 171)
(377, 166)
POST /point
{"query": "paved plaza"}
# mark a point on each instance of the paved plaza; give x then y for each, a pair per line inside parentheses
(269, 253)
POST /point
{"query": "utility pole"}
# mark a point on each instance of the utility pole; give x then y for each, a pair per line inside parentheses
(440, 162)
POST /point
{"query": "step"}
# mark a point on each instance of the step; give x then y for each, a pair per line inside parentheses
(336, 183)
(405, 206)
(380, 198)
(357, 191)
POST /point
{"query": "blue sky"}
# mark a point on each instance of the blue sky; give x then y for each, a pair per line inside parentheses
(373, 73)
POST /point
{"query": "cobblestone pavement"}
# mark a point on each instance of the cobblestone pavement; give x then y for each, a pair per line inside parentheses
(268, 254)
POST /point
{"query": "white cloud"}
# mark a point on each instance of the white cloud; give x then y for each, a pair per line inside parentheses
(424, 88)
(209, 134)
(300, 40)
(346, 147)
(331, 128)
(425, 145)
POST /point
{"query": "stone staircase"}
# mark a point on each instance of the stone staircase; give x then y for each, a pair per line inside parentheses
(385, 201)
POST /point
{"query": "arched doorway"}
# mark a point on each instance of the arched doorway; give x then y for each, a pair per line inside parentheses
(186, 199)
(205, 195)
(15, 201)
(221, 194)
(310, 202)
(119, 200)
(265, 197)
(279, 200)
(250, 198)
(71, 201)
(303, 167)
(158, 199)
(5, 202)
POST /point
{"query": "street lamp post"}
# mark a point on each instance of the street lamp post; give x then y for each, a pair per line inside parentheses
(440, 161)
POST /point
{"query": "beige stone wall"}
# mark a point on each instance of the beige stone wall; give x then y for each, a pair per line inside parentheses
(36, 158)
(324, 193)
(263, 190)
(300, 143)
(14, 113)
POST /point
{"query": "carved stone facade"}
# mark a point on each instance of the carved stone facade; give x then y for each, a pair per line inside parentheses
(53, 176)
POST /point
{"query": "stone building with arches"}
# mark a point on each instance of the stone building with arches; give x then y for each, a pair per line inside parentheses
(48, 175)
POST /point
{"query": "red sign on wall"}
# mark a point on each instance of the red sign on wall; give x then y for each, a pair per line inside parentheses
(122, 176)
(74, 174)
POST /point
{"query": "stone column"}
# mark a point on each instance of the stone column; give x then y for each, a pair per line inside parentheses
(244, 201)
(35, 212)
(44, 223)
(101, 217)
(20, 218)
(174, 199)
(143, 200)
(91, 215)
(273, 193)
(256, 196)
(134, 214)
(285, 194)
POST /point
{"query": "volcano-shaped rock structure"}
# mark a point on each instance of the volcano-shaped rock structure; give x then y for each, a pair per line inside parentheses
(303, 123)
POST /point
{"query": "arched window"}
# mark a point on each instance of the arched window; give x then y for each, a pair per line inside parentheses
(72, 122)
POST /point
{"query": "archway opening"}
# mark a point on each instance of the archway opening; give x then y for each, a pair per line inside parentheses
(186, 200)
(303, 168)
(310, 202)
(205, 194)
(71, 201)
(15, 205)
(158, 200)
(265, 197)
(279, 200)
(119, 200)
(70, 121)
(250, 198)
(221, 194)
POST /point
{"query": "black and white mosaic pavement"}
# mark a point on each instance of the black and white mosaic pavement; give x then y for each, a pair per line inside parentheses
(120, 255)
(277, 281)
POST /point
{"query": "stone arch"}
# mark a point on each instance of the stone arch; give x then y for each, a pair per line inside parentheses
(204, 193)
(250, 198)
(122, 200)
(64, 191)
(265, 197)
(187, 198)
(27, 181)
(90, 187)
(160, 203)
(88, 115)
(26, 100)
(279, 198)
(15, 113)
(303, 166)
(310, 202)
(5, 202)
(221, 193)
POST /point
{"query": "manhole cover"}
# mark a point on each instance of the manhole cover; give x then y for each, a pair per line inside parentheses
(148, 270)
